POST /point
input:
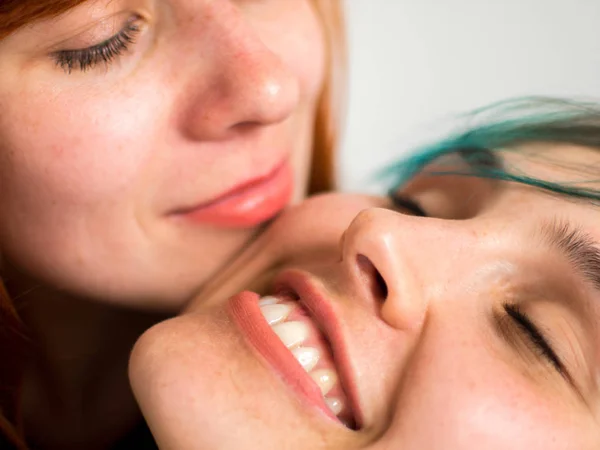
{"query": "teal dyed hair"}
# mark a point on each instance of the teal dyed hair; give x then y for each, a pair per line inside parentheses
(509, 125)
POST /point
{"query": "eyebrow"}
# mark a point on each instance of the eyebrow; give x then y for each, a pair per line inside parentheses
(580, 249)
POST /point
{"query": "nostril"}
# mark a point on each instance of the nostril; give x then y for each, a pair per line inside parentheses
(372, 278)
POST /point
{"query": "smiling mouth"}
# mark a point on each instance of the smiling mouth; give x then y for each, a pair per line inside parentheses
(288, 336)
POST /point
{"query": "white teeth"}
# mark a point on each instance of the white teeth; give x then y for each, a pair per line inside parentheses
(308, 357)
(325, 379)
(335, 405)
(268, 300)
(275, 313)
(291, 333)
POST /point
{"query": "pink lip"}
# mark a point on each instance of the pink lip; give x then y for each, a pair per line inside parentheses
(248, 204)
(246, 314)
(328, 321)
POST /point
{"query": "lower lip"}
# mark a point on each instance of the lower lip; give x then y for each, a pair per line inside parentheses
(245, 312)
(298, 282)
(250, 204)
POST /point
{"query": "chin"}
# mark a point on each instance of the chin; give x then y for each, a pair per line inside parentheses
(196, 375)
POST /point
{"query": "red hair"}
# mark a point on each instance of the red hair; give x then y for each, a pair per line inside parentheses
(15, 14)
(329, 112)
(13, 350)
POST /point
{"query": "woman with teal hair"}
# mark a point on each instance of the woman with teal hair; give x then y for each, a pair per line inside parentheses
(462, 312)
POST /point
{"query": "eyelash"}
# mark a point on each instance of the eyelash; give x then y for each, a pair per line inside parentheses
(534, 336)
(402, 202)
(107, 51)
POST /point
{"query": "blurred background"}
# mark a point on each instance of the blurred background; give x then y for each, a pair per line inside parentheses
(415, 64)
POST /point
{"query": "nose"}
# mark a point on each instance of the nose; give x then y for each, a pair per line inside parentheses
(399, 262)
(245, 84)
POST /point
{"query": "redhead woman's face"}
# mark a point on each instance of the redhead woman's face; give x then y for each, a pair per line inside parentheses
(474, 328)
(142, 142)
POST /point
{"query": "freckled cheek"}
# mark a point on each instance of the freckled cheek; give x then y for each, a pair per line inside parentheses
(497, 413)
(312, 73)
(99, 150)
(303, 51)
(458, 395)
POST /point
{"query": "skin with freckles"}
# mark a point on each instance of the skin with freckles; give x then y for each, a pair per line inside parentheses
(207, 96)
(435, 315)
(119, 118)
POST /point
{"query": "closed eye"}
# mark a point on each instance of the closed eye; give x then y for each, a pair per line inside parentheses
(535, 337)
(105, 52)
(402, 202)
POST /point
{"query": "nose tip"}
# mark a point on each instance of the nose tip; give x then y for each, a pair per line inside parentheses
(271, 95)
(381, 269)
(251, 88)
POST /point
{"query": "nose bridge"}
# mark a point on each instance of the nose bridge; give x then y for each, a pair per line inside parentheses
(411, 256)
(243, 82)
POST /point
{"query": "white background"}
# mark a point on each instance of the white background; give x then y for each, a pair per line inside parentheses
(415, 62)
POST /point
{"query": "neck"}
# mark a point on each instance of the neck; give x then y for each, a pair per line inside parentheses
(76, 393)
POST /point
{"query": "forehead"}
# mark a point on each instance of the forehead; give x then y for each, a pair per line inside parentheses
(533, 167)
(567, 166)
(561, 163)
(532, 164)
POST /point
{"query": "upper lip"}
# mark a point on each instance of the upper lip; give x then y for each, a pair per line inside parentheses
(238, 188)
(298, 283)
